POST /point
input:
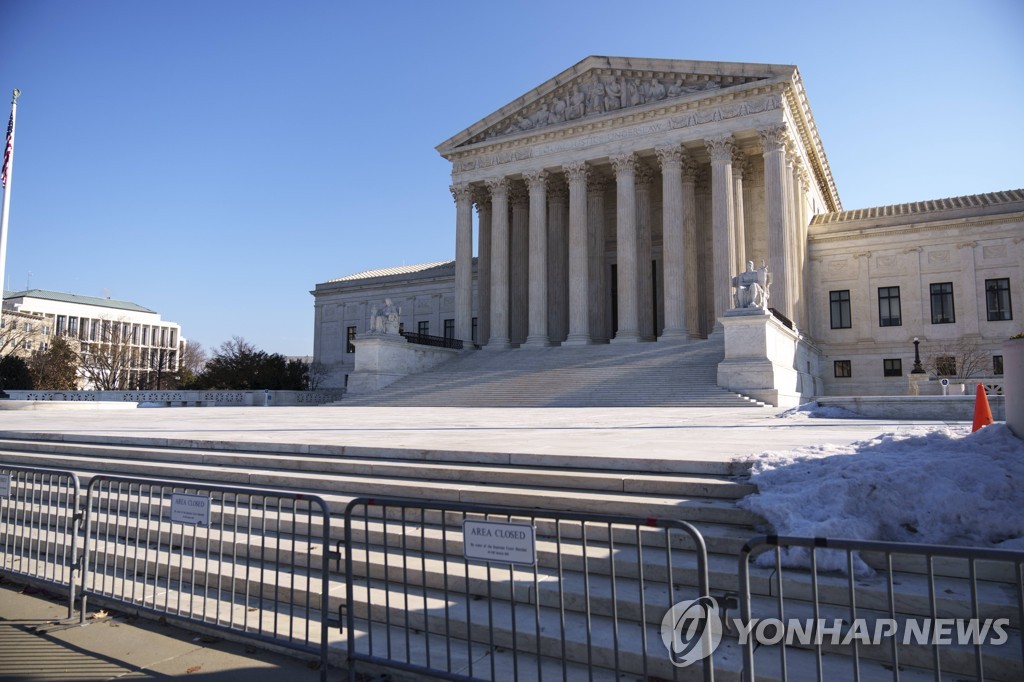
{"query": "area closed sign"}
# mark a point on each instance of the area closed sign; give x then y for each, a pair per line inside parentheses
(513, 543)
(191, 510)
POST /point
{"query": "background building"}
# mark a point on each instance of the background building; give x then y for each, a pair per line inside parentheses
(121, 345)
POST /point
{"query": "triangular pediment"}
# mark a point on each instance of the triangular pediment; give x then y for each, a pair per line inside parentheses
(603, 86)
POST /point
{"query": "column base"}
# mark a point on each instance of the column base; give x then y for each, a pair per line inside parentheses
(498, 344)
(536, 342)
(578, 340)
(674, 336)
(627, 337)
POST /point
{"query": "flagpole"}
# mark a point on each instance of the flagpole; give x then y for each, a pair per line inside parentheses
(7, 171)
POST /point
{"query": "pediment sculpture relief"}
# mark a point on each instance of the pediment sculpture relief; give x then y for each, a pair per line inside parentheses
(595, 95)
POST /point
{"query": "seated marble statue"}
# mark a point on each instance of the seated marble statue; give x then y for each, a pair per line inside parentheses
(752, 287)
(386, 319)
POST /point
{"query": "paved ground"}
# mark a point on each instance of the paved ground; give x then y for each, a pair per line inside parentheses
(651, 433)
(124, 648)
(120, 649)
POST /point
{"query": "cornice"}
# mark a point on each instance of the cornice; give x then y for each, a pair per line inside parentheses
(880, 231)
(803, 120)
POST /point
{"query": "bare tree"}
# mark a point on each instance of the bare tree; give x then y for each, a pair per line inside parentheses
(958, 359)
(107, 358)
(316, 374)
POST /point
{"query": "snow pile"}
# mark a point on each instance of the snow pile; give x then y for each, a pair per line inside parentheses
(925, 485)
(815, 411)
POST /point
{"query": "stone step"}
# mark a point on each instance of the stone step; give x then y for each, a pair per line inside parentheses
(638, 505)
(704, 485)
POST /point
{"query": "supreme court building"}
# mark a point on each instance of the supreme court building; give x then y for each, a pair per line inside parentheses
(616, 201)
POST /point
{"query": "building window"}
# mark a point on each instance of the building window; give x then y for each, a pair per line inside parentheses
(62, 325)
(73, 326)
(889, 307)
(473, 333)
(997, 365)
(46, 330)
(945, 366)
(28, 327)
(942, 303)
(997, 299)
(28, 344)
(449, 329)
(350, 335)
(892, 367)
(840, 308)
(843, 369)
(423, 327)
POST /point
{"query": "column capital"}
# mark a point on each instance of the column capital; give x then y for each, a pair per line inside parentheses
(689, 169)
(597, 183)
(739, 164)
(482, 198)
(773, 138)
(461, 192)
(720, 148)
(624, 163)
(644, 175)
(670, 157)
(497, 186)
(577, 170)
(536, 180)
(517, 194)
(557, 190)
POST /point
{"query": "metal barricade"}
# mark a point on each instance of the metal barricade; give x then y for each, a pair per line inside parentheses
(39, 526)
(243, 560)
(475, 592)
(880, 609)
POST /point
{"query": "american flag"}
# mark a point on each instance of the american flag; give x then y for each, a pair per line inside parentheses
(8, 150)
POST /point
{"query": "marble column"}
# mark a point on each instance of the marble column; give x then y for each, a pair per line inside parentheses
(791, 232)
(558, 260)
(519, 268)
(644, 283)
(691, 253)
(773, 142)
(673, 244)
(801, 274)
(499, 333)
(739, 162)
(626, 247)
(537, 184)
(968, 285)
(596, 266)
(463, 195)
(483, 267)
(579, 270)
(723, 240)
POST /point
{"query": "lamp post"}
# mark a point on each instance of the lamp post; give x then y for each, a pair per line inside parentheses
(918, 369)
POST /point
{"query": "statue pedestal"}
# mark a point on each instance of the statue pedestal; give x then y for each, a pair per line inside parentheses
(764, 359)
(383, 359)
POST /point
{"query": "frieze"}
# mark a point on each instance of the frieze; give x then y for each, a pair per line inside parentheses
(687, 120)
(938, 257)
(600, 93)
(886, 262)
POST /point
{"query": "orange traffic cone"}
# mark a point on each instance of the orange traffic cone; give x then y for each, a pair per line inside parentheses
(982, 412)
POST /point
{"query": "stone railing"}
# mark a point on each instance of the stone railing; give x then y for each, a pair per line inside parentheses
(186, 398)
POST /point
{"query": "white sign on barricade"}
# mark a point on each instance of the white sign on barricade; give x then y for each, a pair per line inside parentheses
(5, 486)
(512, 543)
(191, 510)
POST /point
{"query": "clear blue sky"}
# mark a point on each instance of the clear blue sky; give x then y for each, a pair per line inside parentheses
(214, 160)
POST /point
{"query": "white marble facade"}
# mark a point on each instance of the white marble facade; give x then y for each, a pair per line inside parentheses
(615, 202)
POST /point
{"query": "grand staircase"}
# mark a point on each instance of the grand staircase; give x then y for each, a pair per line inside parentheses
(605, 375)
(700, 492)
